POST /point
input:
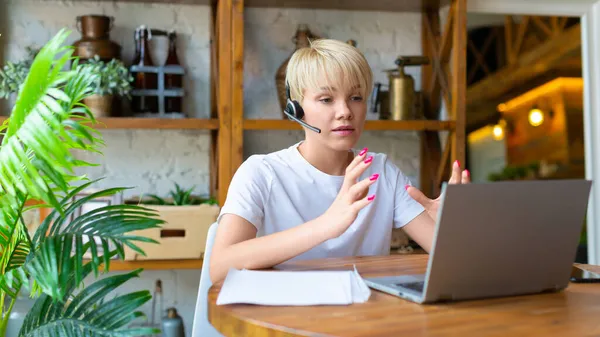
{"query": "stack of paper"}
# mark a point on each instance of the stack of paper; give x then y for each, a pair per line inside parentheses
(293, 287)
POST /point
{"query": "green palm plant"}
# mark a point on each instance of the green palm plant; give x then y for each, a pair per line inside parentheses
(46, 124)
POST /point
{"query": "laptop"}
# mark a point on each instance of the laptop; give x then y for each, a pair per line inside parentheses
(498, 239)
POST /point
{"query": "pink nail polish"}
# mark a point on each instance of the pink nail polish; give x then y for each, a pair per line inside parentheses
(457, 163)
(468, 173)
(374, 176)
(363, 151)
(368, 160)
(371, 197)
(406, 187)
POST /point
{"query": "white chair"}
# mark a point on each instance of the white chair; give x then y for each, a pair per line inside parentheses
(201, 327)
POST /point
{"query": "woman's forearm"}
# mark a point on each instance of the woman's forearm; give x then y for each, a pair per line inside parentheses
(268, 251)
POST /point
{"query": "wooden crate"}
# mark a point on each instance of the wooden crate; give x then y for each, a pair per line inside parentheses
(183, 236)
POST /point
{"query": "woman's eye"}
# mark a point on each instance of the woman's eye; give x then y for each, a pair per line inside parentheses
(325, 100)
(357, 98)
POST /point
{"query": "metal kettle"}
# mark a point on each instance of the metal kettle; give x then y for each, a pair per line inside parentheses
(400, 101)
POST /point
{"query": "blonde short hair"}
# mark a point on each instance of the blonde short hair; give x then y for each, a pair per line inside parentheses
(331, 64)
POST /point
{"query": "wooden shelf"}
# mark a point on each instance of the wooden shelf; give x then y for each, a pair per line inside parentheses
(180, 2)
(359, 5)
(373, 5)
(118, 265)
(371, 125)
(153, 123)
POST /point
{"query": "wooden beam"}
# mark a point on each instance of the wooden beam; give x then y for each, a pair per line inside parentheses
(446, 44)
(224, 14)
(214, 113)
(531, 64)
(237, 106)
(555, 26)
(459, 81)
(430, 141)
(440, 79)
(443, 167)
(520, 38)
(508, 38)
(542, 25)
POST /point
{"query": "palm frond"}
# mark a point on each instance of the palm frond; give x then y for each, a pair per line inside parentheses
(62, 234)
(15, 243)
(88, 313)
(13, 280)
(35, 152)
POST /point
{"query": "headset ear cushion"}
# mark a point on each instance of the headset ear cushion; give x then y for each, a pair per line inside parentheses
(289, 108)
(299, 110)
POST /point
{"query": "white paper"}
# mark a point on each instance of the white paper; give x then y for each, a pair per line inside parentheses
(293, 288)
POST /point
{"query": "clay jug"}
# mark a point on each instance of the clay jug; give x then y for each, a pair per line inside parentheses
(95, 39)
(301, 39)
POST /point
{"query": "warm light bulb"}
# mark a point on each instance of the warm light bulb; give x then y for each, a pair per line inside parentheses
(536, 117)
(498, 132)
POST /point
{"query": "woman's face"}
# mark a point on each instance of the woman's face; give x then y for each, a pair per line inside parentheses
(340, 114)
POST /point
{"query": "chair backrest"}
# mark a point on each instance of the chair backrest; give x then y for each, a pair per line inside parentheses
(201, 327)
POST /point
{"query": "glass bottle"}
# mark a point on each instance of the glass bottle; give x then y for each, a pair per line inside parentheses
(173, 81)
(144, 80)
(136, 38)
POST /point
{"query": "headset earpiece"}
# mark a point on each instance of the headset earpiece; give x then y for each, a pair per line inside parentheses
(292, 107)
(295, 112)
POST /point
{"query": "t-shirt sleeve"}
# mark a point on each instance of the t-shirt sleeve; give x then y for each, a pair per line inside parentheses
(248, 191)
(405, 207)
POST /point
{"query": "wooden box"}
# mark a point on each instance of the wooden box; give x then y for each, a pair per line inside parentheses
(183, 236)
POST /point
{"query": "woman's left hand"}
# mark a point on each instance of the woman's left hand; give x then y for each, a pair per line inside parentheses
(431, 205)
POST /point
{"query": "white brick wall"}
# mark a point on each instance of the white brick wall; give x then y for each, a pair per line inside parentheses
(150, 160)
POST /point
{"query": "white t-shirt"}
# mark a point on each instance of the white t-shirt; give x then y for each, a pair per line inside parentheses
(281, 190)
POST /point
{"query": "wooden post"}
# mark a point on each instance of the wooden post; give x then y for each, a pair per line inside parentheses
(224, 14)
(237, 99)
(459, 80)
(430, 140)
(214, 134)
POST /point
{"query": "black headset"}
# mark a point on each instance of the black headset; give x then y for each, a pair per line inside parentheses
(295, 112)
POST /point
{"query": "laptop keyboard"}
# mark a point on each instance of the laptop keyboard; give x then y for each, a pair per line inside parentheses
(416, 286)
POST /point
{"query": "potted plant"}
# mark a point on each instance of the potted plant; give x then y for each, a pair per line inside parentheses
(114, 80)
(48, 122)
(13, 74)
(187, 220)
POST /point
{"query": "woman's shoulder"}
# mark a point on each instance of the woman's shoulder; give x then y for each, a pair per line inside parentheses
(264, 164)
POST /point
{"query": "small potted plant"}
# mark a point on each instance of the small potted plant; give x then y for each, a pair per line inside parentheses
(114, 80)
(13, 74)
(187, 220)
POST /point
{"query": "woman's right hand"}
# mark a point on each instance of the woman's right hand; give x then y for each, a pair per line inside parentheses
(352, 196)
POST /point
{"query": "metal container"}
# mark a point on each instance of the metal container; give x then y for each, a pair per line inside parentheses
(95, 38)
(172, 324)
(402, 95)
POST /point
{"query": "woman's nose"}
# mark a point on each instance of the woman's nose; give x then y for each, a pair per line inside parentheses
(344, 111)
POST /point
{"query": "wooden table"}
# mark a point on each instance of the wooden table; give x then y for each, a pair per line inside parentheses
(572, 312)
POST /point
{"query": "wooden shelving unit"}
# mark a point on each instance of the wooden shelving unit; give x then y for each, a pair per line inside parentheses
(227, 124)
(444, 46)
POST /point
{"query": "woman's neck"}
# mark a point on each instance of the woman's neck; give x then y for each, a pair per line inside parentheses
(326, 160)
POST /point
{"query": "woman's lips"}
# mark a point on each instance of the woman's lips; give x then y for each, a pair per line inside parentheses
(343, 130)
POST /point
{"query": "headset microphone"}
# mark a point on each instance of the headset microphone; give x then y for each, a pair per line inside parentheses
(295, 112)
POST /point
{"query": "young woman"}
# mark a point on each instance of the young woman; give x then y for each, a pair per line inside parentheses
(320, 197)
